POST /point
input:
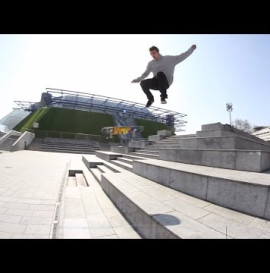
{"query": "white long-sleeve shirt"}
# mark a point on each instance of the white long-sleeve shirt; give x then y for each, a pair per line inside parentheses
(165, 64)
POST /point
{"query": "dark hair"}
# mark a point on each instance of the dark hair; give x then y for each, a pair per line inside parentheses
(152, 48)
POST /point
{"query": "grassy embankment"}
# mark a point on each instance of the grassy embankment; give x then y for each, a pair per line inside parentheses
(76, 121)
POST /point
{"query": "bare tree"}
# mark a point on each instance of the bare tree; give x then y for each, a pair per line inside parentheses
(243, 125)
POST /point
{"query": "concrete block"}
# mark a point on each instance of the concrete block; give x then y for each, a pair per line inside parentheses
(209, 143)
(248, 161)
(107, 155)
(228, 142)
(139, 168)
(250, 144)
(122, 149)
(227, 160)
(212, 126)
(155, 138)
(193, 184)
(267, 208)
(91, 161)
(265, 161)
(188, 143)
(158, 174)
(214, 133)
(165, 133)
(168, 154)
(189, 156)
(244, 197)
(138, 143)
(210, 158)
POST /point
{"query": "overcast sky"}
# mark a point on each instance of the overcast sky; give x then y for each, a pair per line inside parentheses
(225, 68)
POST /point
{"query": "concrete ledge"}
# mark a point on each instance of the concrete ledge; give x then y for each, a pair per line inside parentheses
(106, 155)
(91, 161)
(222, 142)
(139, 143)
(165, 133)
(23, 141)
(155, 138)
(126, 166)
(226, 127)
(213, 126)
(148, 227)
(219, 129)
(122, 149)
(155, 211)
(251, 160)
(245, 192)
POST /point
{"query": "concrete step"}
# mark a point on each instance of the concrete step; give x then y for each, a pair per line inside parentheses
(158, 212)
(133, 157)
(164, 146)
(183, 136)
(64, 151)
(154, 152)
(147, 155)
(243, 191)
(105, 169)
(167, 140)
(224, 133)
(242, 160)
(88, 213)
(62, 148)
(218, 129)
(7, 144)
(223, 142)
(126, 166)
(69, 146)
(97, 166)
(125, 160)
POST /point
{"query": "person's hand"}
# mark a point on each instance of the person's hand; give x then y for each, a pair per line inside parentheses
(193, 47)
(134, 81)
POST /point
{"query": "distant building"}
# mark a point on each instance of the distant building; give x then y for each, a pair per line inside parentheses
(8, 122)
(262, 132)
(93, 103)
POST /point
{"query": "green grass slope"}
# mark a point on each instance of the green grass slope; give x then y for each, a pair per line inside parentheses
(66, 120)
(26, 123)
(75, 121)
(151, 127)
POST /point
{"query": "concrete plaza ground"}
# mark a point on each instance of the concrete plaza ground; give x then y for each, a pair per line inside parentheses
(39, 200)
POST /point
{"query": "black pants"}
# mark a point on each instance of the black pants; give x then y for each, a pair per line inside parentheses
(159, 82)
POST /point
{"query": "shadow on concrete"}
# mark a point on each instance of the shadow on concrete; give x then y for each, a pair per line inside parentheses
(166, 219)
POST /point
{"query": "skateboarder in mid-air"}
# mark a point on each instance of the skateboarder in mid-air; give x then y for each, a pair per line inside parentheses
(162, 68)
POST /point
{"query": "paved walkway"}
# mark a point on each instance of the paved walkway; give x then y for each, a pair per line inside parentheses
(29, 189)
(38, 200)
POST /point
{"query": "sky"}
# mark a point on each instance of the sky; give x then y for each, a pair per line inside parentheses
(224, 68)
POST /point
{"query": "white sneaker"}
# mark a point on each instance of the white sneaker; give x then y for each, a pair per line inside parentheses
(163, 101)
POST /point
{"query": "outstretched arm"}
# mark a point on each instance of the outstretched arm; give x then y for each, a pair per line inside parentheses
(143, 76)
(183, 56)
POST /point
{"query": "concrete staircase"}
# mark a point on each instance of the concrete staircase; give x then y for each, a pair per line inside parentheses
(64, 146)
(161, 199)
(7, 144)
(216, 145)
(213, 184)
(86, 212)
